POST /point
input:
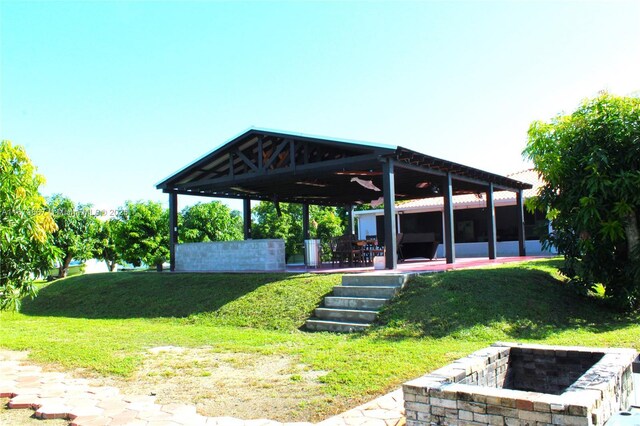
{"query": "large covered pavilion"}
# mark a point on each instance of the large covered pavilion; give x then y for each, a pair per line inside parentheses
(275, 166)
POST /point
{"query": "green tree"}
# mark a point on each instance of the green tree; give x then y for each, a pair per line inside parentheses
(210, 222)
(325, 222)
(26, 248)
(76, 233)
(287, 225)
(106, 249)
(143, 234)
(590, 164)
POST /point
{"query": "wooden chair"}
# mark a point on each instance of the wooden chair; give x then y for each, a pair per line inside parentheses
(372, 249)
(335, 253)
(348, 250)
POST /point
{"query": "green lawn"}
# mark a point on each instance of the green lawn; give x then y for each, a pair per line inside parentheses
(72, 271)
(106, 322)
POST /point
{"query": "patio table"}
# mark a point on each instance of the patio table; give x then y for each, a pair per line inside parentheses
(370, 249)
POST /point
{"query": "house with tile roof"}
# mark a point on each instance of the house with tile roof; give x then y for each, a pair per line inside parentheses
(425, 216)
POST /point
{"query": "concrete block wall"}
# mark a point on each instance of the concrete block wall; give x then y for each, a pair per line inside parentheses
(486, 367)
(231, 256)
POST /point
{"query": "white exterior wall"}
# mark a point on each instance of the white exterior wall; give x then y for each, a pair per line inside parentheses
(503, 248)
(231, 256)
(95, 266)
(366, 226)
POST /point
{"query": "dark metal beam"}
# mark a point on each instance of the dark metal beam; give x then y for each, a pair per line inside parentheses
(275, 153)
(438, 172)
(328, 166)
(421, 169)
(246, 216)
(319, 201)
(521, 236)
(449, 233)
(246, 160)
(491, 222)
(388, 188)
(305, 155)
(327, 142)
(173, 229)
(461, 171)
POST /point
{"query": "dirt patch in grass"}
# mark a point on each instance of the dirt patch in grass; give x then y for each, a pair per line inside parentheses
(23, 417)
(243, 385)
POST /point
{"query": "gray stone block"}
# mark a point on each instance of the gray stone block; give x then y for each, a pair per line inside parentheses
(359, 291)
(354, 302)
(349, 315)
(388, 280)
(234, 256)
(335, 326)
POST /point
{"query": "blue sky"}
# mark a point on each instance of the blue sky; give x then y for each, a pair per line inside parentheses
(110, 97)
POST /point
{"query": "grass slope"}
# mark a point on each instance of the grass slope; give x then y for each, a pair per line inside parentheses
(527, 302)
(107, 322)
(271, 301)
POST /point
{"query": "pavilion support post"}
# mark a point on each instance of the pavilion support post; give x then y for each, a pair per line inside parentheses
(389, 193)
(520, 208)
(449, 234)
(351, 227)
(305, 221)
(444, 236)
(491, 222)
(246, 216)
(173, 229)
(305, 231)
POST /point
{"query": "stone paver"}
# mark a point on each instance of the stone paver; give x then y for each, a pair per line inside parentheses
(388, 410)
(57, 395)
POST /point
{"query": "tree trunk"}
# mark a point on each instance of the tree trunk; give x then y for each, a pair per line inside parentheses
(631, 231)
(64, 267)
(111, 265)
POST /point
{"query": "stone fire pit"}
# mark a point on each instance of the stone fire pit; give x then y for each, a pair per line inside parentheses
(517, 384)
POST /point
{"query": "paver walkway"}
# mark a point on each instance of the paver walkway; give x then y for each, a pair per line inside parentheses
(57, 395)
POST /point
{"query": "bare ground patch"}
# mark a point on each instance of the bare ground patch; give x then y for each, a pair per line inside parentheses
(24, 417)
(243, 385)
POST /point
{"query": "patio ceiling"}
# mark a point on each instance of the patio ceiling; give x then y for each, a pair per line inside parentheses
(287, 167)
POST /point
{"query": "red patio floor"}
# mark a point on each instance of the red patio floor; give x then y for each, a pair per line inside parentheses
(416, 266)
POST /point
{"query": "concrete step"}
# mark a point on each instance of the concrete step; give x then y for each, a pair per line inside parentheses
(335, 326)
(346, 315)
(354, 302)
(388, 280)
(365, 291)
(354, 305)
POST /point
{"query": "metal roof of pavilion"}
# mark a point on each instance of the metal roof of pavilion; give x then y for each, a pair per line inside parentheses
(263, 164)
